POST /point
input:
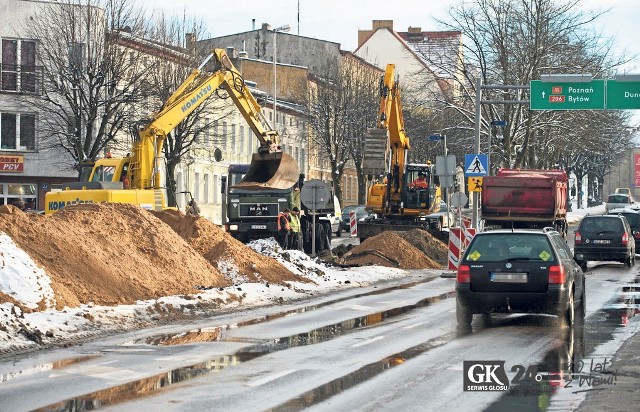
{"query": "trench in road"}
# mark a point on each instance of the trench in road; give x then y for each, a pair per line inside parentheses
(143, 387)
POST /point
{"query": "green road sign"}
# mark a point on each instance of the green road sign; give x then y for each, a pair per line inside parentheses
(623, 95)
(567, 96)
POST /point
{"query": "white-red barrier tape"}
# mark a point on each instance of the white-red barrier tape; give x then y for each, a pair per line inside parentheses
(459, 238)
(353, 223)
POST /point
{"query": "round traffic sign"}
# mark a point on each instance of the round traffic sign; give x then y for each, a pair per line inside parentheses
(315, 194)
(459, 199)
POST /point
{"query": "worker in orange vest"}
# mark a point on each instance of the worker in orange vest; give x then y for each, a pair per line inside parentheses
(420, 182)
(284, 228)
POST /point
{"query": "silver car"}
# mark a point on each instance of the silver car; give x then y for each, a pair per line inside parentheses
(618, 201)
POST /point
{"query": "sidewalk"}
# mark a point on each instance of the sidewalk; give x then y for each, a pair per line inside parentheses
(624, 395)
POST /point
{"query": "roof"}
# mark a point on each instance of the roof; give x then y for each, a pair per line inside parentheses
(440, 50)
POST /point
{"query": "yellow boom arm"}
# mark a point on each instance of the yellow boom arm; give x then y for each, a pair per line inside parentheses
(147, 149)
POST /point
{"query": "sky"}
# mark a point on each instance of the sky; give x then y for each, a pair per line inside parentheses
(339, 21)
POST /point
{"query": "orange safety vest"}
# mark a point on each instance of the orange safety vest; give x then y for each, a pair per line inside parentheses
(281, 216)
(419, 183)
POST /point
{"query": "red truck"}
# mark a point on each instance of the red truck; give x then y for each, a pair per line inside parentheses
(519, 198)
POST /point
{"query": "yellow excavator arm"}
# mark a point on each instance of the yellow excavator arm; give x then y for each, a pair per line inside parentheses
(270, 167)
(147, 149)
(391, 119)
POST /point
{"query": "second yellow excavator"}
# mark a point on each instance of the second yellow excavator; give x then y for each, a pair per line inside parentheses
(136, 179)
(406, 194)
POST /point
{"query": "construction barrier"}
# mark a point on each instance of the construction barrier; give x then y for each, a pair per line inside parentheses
(353, 223)
(459, 238)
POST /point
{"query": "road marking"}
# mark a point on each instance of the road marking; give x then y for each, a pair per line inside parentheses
(359, 307)
(366, 342)
(414, 325)
(272, 377)
(108, 362)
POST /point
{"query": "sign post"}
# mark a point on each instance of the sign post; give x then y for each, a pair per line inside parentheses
(315, 194)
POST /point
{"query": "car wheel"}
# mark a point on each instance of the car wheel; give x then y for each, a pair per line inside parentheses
(463, 315)
(569, 315)
(583, 265)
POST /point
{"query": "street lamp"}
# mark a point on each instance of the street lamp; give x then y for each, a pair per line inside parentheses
(284, 28)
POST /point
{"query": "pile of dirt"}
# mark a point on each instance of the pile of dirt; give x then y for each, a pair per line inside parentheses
(226, 253)
(428, 244)
(109, 254)
(389, 249)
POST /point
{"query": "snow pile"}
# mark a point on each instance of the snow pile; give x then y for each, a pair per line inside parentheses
(296, 261)
(21, 278)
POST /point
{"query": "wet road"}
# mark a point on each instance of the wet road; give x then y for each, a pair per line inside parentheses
(370, 349)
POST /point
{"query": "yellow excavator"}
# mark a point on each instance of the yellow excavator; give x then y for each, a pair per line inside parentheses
(136, 179)
(406, 194)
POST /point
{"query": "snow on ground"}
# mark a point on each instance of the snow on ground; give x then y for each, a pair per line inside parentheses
(28, 284)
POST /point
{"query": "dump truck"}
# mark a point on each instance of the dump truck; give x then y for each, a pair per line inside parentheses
(405, 194)
(520, 198)
(250, 214)
(136, 179)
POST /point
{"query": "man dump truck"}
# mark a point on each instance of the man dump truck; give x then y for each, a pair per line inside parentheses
(251, 213)
(518, 198)
(136, 179)
(396, 204)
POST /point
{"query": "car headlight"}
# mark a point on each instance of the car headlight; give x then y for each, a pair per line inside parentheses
(233, 227)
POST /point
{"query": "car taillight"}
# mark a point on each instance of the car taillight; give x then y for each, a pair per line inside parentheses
(625, 239)
(556, 274)
(578, 238)
(464, 274)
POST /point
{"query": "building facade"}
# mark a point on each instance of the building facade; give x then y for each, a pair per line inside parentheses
(28, 167)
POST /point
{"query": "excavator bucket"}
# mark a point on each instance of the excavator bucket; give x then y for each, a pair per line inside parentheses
(270, 171)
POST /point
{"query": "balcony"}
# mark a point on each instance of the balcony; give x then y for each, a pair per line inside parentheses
(21, 79)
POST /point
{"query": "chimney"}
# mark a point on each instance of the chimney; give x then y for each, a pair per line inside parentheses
(266, 26)
(382, 24)
(415, 30)
(253, 24)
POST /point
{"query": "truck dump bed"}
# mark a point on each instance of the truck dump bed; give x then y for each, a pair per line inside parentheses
(525, 195)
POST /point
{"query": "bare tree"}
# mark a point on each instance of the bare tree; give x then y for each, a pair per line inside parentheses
(173, 59)
(510, 42)
(342, 106)
(91, 81)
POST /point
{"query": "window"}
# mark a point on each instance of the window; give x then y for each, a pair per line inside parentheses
(215, 189)
(241, 139)
(233, 139)
(17, 131)
(18, 65)
(196, 187)
(206, 188)
(24, 196)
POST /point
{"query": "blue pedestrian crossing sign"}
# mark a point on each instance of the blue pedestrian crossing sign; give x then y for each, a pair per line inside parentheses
(476, 165)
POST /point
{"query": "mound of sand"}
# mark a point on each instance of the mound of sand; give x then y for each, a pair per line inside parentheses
(221, 250)
(109, 254)
(389, 249)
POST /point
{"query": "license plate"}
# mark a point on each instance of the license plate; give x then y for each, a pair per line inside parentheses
(601, 241)
(509, 277)
(258, 226)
